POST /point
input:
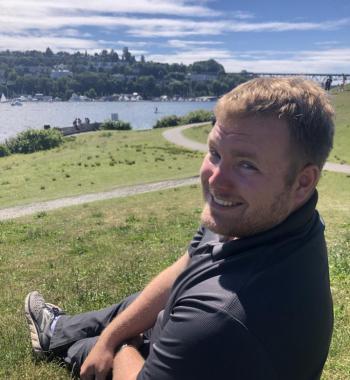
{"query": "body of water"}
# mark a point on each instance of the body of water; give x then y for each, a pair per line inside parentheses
(141, 115)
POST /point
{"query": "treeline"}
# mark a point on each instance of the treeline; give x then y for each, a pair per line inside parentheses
(106, 73)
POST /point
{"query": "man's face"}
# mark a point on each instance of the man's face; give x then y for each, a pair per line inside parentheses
(244, 176)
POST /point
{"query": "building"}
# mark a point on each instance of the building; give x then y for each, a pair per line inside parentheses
(60, 73)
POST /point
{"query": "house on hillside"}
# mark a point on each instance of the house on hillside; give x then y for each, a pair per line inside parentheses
(202, 77)
(60, 73)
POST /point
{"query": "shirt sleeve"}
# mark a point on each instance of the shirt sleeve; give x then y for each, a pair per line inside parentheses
(204, 343)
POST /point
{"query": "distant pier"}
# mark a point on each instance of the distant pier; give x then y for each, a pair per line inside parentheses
(66, 131)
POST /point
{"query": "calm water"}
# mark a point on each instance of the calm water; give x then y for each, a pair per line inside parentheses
(141, 115)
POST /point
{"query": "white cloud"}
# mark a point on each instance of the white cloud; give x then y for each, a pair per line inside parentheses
(328, 61)
(50, 7)
(132, 43)
(190, 56)
(243, 15)
(287, 26)
(183, 44)
(69, 42)
(327, 43)
(70, 32)
(22, 15)
(69, 25)
(181, 28)
(23, 42)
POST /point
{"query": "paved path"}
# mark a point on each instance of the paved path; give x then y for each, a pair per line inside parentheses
(33, 208)
(175, 136)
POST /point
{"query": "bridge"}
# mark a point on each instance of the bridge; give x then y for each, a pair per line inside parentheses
(319, 77)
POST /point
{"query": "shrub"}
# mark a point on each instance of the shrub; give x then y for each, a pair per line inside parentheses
(4, 150)
(118, 125)
(198, 116)
(192, 117)
(168, 121)
(34, 140)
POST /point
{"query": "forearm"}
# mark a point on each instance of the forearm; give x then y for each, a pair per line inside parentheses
(127, 364)
(142, 313)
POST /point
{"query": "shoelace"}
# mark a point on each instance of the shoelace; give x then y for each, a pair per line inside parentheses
(56, 312)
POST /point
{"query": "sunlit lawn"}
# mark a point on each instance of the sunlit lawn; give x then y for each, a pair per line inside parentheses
(91, 163)
(86, 257)
(341, 151)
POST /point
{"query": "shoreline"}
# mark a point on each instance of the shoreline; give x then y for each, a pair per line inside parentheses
(141, 115)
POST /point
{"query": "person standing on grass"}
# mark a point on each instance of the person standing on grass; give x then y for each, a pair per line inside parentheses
(342, 86)
(251, 299)
(328, 83)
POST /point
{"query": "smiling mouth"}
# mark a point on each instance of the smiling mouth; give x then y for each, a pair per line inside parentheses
(224, 203)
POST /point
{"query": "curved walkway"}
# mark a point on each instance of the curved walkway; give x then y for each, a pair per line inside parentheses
(33, 208)
(175, 136)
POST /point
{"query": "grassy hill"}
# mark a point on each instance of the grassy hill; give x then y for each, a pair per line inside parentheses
(340, 152)
(93, 162)
(89, 256)
(86, 257)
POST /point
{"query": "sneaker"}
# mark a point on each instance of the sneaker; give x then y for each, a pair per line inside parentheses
(40, 315)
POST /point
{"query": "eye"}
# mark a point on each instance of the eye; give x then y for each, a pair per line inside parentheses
(247, 166)
(214, 155)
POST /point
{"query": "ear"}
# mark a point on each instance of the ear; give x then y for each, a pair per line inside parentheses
(305, 183)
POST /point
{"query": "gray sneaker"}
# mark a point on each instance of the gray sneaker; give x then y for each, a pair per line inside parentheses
(40, 315)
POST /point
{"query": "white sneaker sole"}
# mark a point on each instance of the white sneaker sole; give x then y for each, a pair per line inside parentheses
(34, 336)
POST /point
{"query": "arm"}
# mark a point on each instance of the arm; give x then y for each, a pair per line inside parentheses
(138, 317)
(199, 342)
(128, 362)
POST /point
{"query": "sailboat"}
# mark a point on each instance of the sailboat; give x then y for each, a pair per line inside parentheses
(3, 98)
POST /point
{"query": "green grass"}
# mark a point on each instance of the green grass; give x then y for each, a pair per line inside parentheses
(87, 257)
(334, 206)
(93, 162)
(198, 133)
(340, 152)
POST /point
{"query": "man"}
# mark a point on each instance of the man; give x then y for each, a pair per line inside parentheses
(251, 298)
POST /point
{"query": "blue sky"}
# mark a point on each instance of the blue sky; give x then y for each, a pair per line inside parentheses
(306, 36)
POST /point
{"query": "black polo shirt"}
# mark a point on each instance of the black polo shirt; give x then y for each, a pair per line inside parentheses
(257, 308)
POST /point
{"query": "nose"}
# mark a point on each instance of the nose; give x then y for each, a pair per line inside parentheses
(221, 176)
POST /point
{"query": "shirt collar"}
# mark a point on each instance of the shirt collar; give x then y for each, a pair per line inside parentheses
(294, 223)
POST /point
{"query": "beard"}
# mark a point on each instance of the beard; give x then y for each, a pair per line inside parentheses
(249, 221)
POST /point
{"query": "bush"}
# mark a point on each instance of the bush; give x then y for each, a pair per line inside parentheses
(168, 121)
(118, 125)
(34, 140)
(4, 150)
(192, 117)
(197, 117)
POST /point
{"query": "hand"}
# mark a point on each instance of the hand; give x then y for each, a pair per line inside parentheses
(98, 364)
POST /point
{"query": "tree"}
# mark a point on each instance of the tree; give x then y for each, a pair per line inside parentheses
(177, 87)
(219, 87)
(92, 77)
(114, 56)
(91, 93)
(146, 86)
(126, 55)
(206, 67)
(49, 52)
(104, 55)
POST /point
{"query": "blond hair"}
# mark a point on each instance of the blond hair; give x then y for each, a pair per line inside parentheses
(303, 104)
